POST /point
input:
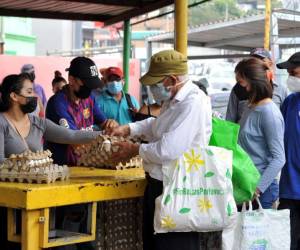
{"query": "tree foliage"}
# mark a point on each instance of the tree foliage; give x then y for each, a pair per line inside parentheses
(217, 10)
(213, 11)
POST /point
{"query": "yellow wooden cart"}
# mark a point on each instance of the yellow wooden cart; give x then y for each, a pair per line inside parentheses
(86, 186)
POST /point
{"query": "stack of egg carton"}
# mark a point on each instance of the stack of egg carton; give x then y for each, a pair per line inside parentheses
(99, 152)
(119, 224)
(32, 167)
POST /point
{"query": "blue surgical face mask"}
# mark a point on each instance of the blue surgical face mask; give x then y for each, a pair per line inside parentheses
(114, 87)
(160, 93)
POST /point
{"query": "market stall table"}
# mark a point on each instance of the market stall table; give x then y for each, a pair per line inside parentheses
(86, 185)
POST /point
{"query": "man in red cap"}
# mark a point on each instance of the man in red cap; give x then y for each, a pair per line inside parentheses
(112, 100)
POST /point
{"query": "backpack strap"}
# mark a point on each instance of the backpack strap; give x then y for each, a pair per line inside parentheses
(129, 101)
(149, 110)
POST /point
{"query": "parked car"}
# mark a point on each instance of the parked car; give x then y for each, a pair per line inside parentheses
(217, 79)
(219, 100)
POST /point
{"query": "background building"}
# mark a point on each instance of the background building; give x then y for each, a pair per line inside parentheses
(53, 35)
(16, 36)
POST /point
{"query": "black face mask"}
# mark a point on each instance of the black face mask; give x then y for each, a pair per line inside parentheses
(30, 106)
(241, 92)
(83, 93)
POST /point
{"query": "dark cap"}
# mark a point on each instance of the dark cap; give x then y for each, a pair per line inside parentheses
(260, 53)
(292, 62)
(86, 70)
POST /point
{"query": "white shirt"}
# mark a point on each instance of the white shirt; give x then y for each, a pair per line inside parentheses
(184, 123)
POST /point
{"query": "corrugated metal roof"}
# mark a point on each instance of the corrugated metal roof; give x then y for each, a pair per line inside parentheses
(64, 6)
(237, 33)
(107, 11)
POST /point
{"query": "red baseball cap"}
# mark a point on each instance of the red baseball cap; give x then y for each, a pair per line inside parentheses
(113, 71)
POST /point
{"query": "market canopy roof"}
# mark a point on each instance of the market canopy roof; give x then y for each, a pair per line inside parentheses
(241, 34)
(107, 11)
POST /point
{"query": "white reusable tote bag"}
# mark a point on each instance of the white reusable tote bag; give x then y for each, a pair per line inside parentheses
(263, 229)
(197, 194)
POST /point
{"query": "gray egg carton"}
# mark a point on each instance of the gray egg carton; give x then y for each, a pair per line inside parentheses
(99, 152)
(32, 167)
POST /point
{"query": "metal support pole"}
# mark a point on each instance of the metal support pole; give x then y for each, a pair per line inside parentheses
(267, 25)
(126, 53)
(275, 44)
(181, 25)
(274, 38)
(1, 35)
(149, 52)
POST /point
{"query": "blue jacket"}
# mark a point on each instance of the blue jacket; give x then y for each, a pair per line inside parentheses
(290, 175)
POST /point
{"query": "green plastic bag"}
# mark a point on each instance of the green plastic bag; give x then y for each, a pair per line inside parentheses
(245, 176)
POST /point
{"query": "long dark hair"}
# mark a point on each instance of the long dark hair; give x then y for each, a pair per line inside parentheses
(58, 78)
(256, 73)
(11, 83)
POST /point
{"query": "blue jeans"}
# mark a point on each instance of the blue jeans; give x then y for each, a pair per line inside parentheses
(271, 194)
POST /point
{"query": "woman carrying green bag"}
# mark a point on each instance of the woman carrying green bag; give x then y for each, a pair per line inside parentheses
(245, 176)
(262, 128)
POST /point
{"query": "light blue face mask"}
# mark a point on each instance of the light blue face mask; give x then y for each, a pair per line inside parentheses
(160, 93)
(114, 87)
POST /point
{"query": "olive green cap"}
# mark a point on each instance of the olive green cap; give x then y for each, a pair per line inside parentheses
(165, 63)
